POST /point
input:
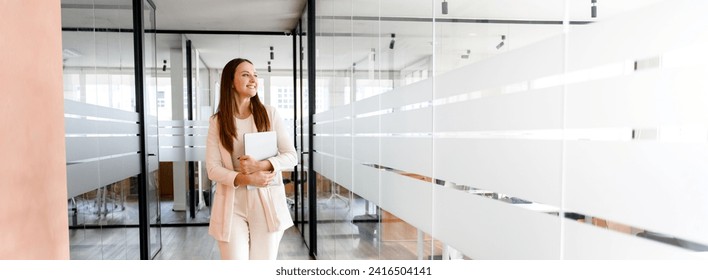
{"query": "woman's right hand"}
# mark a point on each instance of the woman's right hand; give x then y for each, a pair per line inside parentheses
(261, 178)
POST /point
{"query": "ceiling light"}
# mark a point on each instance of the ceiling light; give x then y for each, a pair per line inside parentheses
(70, 53)
(393, 41)
(272, 56)
(444, 7)
(269, 66)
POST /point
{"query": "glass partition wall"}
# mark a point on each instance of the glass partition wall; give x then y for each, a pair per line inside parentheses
(526, 129)
(104, 117)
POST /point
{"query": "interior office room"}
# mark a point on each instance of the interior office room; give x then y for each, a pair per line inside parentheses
(425, 129)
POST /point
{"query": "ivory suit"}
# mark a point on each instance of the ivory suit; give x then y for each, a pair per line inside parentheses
(262, 211)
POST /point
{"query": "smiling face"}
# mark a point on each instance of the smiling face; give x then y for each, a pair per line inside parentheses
(245, 80)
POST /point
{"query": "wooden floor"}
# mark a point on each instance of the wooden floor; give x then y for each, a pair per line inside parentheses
(346, 231)
(177, 243)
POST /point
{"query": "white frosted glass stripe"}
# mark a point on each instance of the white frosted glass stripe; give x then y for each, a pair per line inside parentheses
(179, 123)
(182, 141)
(399, 193)
(366, 182)
(343, 146)
(166, 131)
(646, 99)
(84, 177)
(197, 123)
(541, 59)
(484, 228)
(83, 126)
(153, 163)
(584, 241)
(183, 123)
(638, 34)
(168, 141)
(420, 121)
(410, 155)
(152, 146)
(183, 131)
(317, 162)
(195, 140)
(527, 169)
(152, 129)
(341, 112)
(317, 143)
(367, 125)
(324, 144)
(540, 109)
(655, 186)
(90, 110)
(323, 128)
(343, 173)
(182, 154)
(367, 105)
(366, 149)
(342, 126)
(411, 94)
(323, 116)
(195, 154)
(82, 148)
(171, 154)
(327, 166)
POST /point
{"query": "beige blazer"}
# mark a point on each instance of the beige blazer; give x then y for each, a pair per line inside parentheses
(220, 169)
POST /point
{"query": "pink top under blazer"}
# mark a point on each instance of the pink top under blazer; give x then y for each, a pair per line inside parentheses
(222, 169)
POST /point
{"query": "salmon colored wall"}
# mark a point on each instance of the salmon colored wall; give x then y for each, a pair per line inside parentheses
(33, 203)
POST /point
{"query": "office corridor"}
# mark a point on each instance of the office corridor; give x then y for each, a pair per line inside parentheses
(178, 242)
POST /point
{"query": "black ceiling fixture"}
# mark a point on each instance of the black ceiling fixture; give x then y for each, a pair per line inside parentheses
(164, 65)
(444, 7)
(501, 44)
(269, 66)
(272, 56)
(393, 41)
(593, 9)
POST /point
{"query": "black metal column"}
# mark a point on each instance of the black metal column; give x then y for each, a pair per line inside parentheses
(311, 85)
(296, 170)
(190, 164)
(139, 60)
(301, 54)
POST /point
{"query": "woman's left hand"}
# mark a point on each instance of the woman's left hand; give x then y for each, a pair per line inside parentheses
(248, 164)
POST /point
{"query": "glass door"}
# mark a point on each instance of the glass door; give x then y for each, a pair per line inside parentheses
(152, 147)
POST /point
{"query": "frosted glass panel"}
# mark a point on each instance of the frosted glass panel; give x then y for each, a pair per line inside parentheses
(540, 109)
(412, 121)
(366, 182)
(649, 185)
(486, 164)
(399, 192)
(407, 154)
(588, 242)
(483, 228)
(366, 149)
(648, 99)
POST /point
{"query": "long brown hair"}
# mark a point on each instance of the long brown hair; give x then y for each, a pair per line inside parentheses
(227, 107)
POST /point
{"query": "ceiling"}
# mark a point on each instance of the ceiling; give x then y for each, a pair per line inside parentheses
(410, 20)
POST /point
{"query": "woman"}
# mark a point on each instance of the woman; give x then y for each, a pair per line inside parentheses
(247, 222)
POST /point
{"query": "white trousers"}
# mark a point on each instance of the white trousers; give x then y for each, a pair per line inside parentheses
(249, 239)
